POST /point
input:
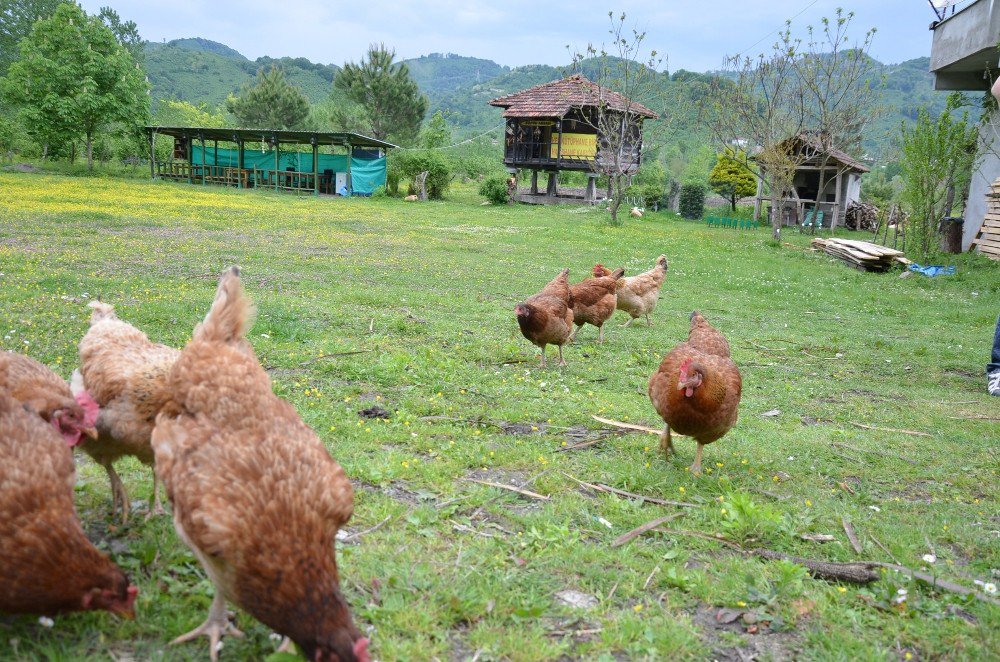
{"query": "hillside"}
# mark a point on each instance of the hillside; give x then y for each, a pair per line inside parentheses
(203, 71)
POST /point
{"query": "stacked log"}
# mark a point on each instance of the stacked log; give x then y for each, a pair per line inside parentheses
(861, 216)
(862, 255)
(988, 237)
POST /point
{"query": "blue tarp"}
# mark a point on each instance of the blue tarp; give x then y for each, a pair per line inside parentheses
(366, 174)
(933, 270)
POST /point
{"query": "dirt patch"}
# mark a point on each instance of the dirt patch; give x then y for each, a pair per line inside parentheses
(398, 490)
(23, 167)
(19, 244)
(522, 428)
(374, 412)
(515, 478)
(764, 645)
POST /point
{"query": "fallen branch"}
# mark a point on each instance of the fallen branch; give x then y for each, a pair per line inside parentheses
(628, 426)
(855, 573)
(358, 534)
(533, 495)
(582, 444)
(849, 530)
(872, 427)
(648, 526)
(612, 490)
(974, 418)
(706, 536)
(838, 444)
(883, 548)
(331, 356)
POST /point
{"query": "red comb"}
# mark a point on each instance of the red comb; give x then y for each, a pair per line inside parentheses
(361, 650)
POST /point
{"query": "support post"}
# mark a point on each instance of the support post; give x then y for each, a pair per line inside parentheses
(190, 148)
(202, 138)
(836, 202)
(559, 145)
(277, 163)
(591, 194)
(315, 166)
(550, 189)
(152, 154)
(215, 161)
(240, 160)
(534, 182)
(350, 155)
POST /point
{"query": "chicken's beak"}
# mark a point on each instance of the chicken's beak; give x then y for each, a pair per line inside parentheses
(126, 612)
(90, 432)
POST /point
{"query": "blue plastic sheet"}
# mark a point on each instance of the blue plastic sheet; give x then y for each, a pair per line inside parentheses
(933, 270)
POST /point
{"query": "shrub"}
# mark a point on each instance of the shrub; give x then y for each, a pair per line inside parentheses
(404, 166)
(494, 189)
(380, 192)
(692, 202)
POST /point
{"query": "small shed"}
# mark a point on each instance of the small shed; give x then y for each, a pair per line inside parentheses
(841, 187)
(255, 159)
(555, 126)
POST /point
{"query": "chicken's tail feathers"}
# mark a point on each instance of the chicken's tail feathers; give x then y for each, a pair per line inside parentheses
(662, 262)
(76, 385)
(101, 311)
(232, 313)
(617, 273)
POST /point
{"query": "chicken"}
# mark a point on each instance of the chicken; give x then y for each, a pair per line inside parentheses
(47, 565)
(637, 295)
(546, 318)
(697, 389)
(255, 493)
(593, 301)
(46, 394)
(126, 375)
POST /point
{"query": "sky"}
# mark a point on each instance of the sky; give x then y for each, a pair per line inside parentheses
(694, 35)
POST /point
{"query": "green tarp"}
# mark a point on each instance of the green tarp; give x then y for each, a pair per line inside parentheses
(366, 174)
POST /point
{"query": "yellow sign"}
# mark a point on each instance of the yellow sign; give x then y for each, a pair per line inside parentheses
(576, 146)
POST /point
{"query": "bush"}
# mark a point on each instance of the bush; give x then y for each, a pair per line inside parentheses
(692, 202)
(380, 192)
(494, 189)
(404, 166)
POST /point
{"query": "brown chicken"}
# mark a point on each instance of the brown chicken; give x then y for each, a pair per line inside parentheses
(697, 389)
(594, 300)
(47, 565)
(255, 493)
(638, 295)
(546, 318)
(126, 375)
(46, 394)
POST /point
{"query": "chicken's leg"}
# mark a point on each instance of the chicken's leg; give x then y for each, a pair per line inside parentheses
(562, 361)
(543, 357)
(600, 336)
(118, 492)
(696, 467)
(666, 444)
(157, 507)
(217, 625)
(649, 322)
(629, 322)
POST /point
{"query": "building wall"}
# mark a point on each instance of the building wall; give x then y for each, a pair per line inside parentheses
(986, 173)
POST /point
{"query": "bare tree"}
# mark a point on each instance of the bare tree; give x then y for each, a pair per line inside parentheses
(839, 89)
(760, 104)
(803, 101)
(627, 87)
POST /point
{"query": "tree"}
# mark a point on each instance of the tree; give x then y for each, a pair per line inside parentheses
(618, 121)
(74, 78)
(821, 91)
(16, 20)
(269, 102)
(127, 34)
(937, 157)
(436, 133)
(385, 92)
(838, 89)
(731, 178)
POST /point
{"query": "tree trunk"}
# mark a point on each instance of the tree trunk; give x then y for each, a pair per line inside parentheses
(732, 201)
(949, 201)
(72, 152)
(614, 197)
(775, 212)
(90, 152)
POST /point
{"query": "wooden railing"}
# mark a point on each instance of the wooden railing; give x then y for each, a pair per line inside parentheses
(278, 180)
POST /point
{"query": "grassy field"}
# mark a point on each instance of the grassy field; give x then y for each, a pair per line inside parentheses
(419, 299)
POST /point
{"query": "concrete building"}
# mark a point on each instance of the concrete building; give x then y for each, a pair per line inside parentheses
(964, 56)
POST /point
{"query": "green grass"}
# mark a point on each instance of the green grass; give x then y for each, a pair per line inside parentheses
(426, 292)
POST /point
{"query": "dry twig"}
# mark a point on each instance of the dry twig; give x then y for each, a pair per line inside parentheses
(358, 534)
(849, 530)
(839, 444)
(489, 483)
(648, 526)
(612, 490)
(335, 355)
(629, 426)
(872, 427)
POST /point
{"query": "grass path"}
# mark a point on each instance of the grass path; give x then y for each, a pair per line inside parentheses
(410, 307)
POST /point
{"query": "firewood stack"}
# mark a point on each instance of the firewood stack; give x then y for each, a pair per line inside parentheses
(988, 237)
(861, 216)
(862, 255)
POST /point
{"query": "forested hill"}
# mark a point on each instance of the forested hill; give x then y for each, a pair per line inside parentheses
(203, 71)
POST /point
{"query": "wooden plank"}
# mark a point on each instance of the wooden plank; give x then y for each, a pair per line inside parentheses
(992, 242)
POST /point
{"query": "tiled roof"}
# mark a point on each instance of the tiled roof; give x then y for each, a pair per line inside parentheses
(555, 99)
(813, 142)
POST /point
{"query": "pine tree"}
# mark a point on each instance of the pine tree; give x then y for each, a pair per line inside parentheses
(390, 99)
(270, 102)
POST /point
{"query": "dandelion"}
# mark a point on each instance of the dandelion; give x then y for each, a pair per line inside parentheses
(740, 603)
(841, 589)
(637, 608)
(808, 502)
(724, 511)
(681, 489)
(929, 558)
(908, 656)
